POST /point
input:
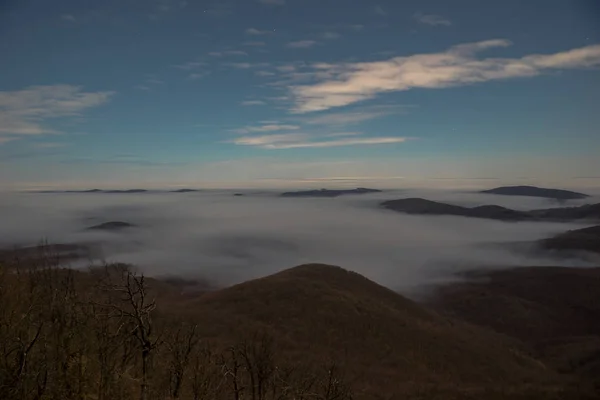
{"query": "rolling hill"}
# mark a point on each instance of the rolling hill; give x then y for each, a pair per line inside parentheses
(329, 192)
(427, 207)
(534, 191)
(392, 345)
(555, 310)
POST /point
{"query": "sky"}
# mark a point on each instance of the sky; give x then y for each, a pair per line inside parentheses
(286, 93)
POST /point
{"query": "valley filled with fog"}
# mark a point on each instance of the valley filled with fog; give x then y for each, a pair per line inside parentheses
(226, 239)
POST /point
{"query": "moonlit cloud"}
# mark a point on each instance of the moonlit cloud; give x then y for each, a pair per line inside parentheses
(432, 19)
(355, 117)
(304, 140)
(331, 35)
(254, 44)
(337, 143)
(342, 84)
(273, 2)
(190, 65)
(268, 140)
(68, 17)
(271, 127)
(301, 44)
(25, 112)
(380, 11)
(253, 103)
(257, 32)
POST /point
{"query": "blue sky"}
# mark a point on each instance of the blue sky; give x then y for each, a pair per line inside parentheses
(252, 93)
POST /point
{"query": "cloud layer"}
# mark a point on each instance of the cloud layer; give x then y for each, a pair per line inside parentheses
(341, 84)
(24, 112)
(229, 239)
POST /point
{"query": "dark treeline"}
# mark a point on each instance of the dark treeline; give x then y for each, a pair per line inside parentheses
(98, 334)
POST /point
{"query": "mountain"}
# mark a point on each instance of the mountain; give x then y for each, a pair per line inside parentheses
(37, 254)
(555, 310)
(111, 226)
(428, 207)
(586, 239)
(184, 190)
(393, 346)
(125, 191)
(588, 211)
(329, 192)
(533, 191)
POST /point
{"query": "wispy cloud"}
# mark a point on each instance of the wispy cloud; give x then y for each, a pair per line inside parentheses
(269, 127)
(235, 53)
(273, 2)
(26, 112)
(50, 145)
(219, 9)
(342, 84)
(254, 44)
(380, 11)
(253, 103)
(355, 117)
(303, 140)
(150, 82)
(257, 32)
(301, 44)
(198, 75)
(269, 140)
(187, 66)
(264, 73)
(432, 19)
(68, 17)
(331, 35)
(245, 65)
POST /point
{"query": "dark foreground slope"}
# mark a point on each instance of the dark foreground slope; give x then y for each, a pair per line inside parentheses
(555, 310)
(534, 191)
(391, 345)
(311, 332)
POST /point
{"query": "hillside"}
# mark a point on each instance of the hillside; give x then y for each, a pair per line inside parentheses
(392, 343)
(111, 226)
(314, 331)
(427, 207)
(553, 309)
(534, 191)
(586, 239)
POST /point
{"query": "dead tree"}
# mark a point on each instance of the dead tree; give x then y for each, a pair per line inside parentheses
(134, 304)
(180, 346)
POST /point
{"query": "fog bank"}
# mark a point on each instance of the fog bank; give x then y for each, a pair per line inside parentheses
(227, 239)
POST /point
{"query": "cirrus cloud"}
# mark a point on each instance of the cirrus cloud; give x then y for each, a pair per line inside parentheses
(26, 112)
(341, 84)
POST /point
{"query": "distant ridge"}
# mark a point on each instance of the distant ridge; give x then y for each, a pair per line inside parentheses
(534, 191)
(184, 190)
(329, 192)
(96, 191)
(586, 239)
(316, 310)
(428, 207)
(111, 226)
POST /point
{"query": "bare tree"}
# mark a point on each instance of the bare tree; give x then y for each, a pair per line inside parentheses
(134, 304)
(180, 345)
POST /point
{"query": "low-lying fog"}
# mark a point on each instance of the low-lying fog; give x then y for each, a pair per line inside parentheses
(228, 239)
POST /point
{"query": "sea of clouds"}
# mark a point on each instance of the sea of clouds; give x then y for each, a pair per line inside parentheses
(227, 239)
